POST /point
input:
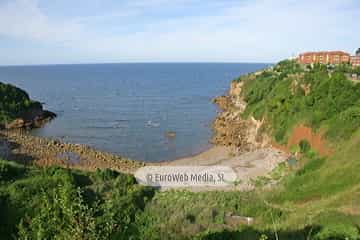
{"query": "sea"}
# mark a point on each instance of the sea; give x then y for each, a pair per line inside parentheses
(144, 111)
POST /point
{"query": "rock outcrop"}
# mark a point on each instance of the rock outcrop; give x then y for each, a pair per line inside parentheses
(34, 117)
(230, 129)
(17, 110)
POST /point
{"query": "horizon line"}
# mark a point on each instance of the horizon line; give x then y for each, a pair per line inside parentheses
(153, 62)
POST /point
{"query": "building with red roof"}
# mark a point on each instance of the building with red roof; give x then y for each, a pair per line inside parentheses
(355, 60)
(324, 57)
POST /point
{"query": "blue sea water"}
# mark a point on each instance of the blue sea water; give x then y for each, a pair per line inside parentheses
(128, 108)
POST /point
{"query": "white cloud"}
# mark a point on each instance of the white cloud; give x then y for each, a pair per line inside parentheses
(261, 30)
(23, 19)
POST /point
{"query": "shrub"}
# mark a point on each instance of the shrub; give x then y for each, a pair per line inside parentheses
(10, 171)
(344, 125)
(338, 231)
(304, 146)
(68, 204)
(62, 215)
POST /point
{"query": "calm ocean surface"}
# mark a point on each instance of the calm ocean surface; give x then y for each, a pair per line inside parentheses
(128, 108)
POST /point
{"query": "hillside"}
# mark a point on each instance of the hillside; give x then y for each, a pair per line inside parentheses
(319, 97)
(324, 187)
(311, 112)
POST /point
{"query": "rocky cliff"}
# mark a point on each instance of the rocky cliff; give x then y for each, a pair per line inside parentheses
(230, 129)
(17, 110)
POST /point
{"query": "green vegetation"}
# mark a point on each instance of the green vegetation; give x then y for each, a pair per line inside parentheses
(13, 102)
(55, 203)
(181, 214)
(304, 146)
(289, 94)
(317, 199)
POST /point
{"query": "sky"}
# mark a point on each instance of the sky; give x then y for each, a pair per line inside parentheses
(102, 31)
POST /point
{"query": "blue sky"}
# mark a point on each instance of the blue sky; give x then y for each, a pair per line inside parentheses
(91, 31)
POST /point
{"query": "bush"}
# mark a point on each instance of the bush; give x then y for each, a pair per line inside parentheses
(11, 171)
(304, 146)
(62, 215)
(68, 204)
(338, 231)
(344, 125)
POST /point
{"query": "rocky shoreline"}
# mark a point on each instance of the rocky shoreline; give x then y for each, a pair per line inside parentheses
(34, 118)
(20, 146)
(231, 130)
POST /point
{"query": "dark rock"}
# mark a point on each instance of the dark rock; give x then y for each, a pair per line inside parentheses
(32, 118)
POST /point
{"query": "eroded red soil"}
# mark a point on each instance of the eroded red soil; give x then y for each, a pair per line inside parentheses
(302, 132)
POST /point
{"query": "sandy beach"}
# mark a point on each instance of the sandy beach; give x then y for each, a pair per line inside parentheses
(247, 166)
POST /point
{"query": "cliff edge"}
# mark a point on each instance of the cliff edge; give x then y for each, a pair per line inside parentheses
(231, 128)
(17, 110)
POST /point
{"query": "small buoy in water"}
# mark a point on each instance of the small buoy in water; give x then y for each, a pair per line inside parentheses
(170, 134)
